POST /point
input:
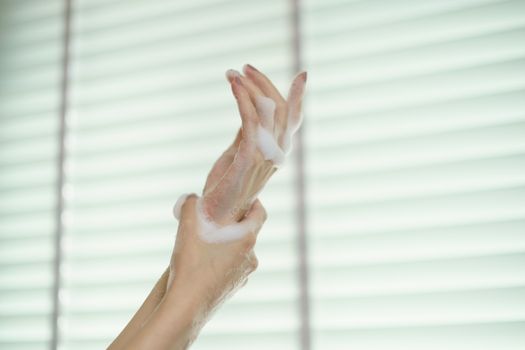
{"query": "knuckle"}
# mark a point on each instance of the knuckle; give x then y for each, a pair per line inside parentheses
(264, 214)
(254, 263)
(249, 241)
(251, 262)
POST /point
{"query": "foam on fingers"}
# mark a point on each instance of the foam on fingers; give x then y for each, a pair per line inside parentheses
(177, 208)
(265, 108)
(273, 148)
(267, 143)
(258, 125)
(211, 232)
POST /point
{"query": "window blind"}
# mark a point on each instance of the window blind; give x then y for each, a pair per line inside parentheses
(30, 55)
(150, 112)
(415, 168)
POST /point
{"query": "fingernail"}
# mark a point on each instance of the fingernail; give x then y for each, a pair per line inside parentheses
(250, 67)
(238, 80)
(231, 74)
(305, 75)
(301, 76)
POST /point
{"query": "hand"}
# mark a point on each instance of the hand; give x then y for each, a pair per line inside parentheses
(241, 172)
(201, 276)
(213, 270)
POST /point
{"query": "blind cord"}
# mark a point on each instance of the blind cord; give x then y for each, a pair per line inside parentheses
(302, 242)
(61, 177)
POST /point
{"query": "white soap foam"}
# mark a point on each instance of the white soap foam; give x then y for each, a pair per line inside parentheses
(177, 208)
(293, 124)
(287, 141)
(213, 233)
(266, 141)
(265, 107)
(210, 231)
(269, 147)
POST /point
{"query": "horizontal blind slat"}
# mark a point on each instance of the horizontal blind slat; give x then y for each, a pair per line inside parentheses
(30, 42)
(414, 175)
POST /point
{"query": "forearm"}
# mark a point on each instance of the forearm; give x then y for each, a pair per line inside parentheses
(203, 276)
(175, 322)
(143, 313)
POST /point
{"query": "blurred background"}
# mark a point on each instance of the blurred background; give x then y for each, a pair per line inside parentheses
(410, 192)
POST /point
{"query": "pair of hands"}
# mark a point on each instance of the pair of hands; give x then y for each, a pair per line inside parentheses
(201, 274)
(216, 270)
(241, 172)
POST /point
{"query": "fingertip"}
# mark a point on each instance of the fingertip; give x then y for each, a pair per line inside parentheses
(304, 75)
(253, 73)
(231, 74)
(300, 80)
(296, 91)
(189, 203)
(249, 68)
(185, 203)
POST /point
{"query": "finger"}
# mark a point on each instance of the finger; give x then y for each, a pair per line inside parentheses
(267, 87)
(252, 89)
(263, 83)
(246, 134)
(264, 105)
(252, 261)
(295, 97)
(246, 109)
(231, 74)
(256, 216)
(222, 164)
(187, 205)
(217, 172)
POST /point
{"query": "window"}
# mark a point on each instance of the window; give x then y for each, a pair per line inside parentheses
(415, 142)
(414, 168)
(30, 66)
(150, 112)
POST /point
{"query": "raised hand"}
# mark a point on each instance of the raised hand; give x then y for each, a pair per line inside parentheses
(244, 168)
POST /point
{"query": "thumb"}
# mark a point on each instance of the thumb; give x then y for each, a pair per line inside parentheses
(185, 205)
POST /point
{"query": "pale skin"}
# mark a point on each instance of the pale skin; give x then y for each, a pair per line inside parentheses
(202, 275)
